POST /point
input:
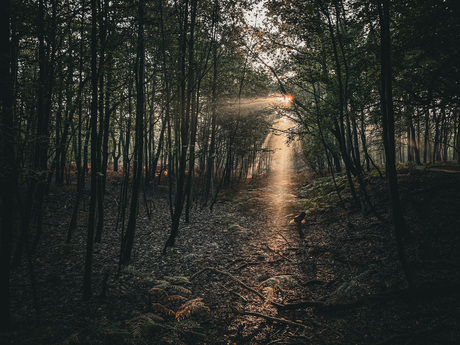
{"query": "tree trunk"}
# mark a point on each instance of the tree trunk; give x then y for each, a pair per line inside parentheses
(426, 152)
(458, 137)
(192, 104)
(139, 142)
(8, 178)
(78, 153)
(87, 290)
(212, 144)
(104, 123)
(386, 99)
(414, 142)
(182, 127)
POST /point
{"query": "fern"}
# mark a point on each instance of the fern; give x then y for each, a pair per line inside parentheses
(179, 289)
(139, 324)
(189, 308)
(159, 294)
(161, 284)
(162, 309)
(176, 297)
(166, 293)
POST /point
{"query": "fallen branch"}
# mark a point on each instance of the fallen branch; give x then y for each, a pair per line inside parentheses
(275, 252)
(215, 270)
(271, 318)
(248, 264)
(234, 293)
(279, 233)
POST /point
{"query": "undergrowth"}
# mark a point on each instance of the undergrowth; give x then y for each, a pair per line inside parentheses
(321, 194)
(168, 320)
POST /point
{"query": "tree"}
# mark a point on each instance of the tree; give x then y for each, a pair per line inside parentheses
(87, 290)
(386, 99)
(182, 125)
(128, 240)
(8, 176)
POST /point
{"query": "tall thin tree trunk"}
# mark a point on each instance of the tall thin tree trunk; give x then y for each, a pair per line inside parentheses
(87, 278)
(7, 162)
(78, 159)
(458, 137)
(414, 142)
(139, 141)
(192, 105)
(386, 97)
(426, 153)
(47, 60)
(339, 130)
(182, 127)
(104, 115)
(212, 144)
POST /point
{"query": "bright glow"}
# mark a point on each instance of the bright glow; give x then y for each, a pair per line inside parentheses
(286, 99)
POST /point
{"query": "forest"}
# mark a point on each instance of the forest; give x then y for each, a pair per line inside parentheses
(230, 172)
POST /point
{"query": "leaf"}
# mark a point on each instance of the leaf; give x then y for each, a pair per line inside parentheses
(162, 309)
(190, 307)
(176, 297)
(159, 294)
(180, 289)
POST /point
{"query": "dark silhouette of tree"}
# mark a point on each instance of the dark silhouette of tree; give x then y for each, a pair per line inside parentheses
(87, 279)
(386, 99)
(128, 240)
(8, 176)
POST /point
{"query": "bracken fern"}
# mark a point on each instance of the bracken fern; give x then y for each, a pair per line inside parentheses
(189, 308)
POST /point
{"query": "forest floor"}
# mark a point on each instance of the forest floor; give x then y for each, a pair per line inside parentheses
(243, 275)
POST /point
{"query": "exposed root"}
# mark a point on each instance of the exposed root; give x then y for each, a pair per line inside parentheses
(215, 270)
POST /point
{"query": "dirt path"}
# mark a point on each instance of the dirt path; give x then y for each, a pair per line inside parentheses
(264, 255)
(272, 199)
(339, 262)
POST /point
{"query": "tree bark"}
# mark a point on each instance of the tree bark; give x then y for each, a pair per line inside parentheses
(182, 127)
(87, 278)
(7, 162)
(386, 100)
(139, 142)
(414, 142)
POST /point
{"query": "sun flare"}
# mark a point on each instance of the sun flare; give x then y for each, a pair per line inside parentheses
(286, 99)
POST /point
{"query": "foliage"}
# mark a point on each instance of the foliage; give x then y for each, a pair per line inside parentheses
(351, 289)
(334, 58)
(321, 193)
(163, 300)
(313, 154)
(190, 307)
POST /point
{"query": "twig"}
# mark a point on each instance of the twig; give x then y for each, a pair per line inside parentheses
(274, 251)
(271, 318)
(233, 292)
(247, 264)
(215, 270)
(235, 261)
(279, 233)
